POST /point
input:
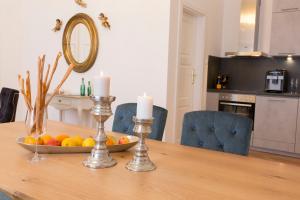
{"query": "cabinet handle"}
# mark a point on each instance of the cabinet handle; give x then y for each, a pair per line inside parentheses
(277, 100)
(289, 9)
(236, 104)
(285, 54)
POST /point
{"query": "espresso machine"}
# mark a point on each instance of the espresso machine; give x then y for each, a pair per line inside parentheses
(276, 81)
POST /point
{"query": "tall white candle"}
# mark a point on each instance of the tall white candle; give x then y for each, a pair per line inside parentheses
(101, 85)
(144, 107)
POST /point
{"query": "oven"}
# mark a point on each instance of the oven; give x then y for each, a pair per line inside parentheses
(240, 104)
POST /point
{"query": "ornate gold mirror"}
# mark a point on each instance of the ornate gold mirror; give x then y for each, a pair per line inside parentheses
(80, 42)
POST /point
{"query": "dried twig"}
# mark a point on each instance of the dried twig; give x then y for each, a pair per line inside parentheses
(56, 91)
(43, 85)
(22, 91)
(53, 70)
(28, 87)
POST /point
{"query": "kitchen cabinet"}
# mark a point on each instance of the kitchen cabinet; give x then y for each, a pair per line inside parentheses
(275, 123)
(212, 101)
(297, 146)
(286, 5)
(285, 33)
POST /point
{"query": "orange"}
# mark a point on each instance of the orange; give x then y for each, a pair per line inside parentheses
(45, 138)
(111, 140)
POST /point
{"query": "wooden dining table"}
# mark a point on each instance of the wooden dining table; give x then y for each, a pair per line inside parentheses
(182, 173)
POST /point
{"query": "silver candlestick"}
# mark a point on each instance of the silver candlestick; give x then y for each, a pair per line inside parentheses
(141, 161)
(100, 157)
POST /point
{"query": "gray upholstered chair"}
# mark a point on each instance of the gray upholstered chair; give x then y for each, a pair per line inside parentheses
(123, 120)
(219, 131)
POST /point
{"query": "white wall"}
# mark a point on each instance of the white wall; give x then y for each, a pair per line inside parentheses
(134, 53)
(213, 12)
(10, 39)
(139, 52)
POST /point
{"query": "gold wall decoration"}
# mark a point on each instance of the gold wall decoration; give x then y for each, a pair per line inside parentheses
(81, 3)
(80, 29)
(104, 21)
(58, 25)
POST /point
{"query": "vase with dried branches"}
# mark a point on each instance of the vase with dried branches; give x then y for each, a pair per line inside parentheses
(36, 118)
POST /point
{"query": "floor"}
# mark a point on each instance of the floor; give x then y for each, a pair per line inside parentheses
(274, 157)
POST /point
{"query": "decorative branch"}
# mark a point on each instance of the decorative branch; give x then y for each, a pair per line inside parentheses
(56, 91)
(43, 85)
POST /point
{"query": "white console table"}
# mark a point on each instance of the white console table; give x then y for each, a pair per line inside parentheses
(69, 102)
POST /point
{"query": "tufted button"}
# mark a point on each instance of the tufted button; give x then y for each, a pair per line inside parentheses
(221, 146)
(200, 143)
(234, 132)
(121, 118)
(193, 128)
(212, 129)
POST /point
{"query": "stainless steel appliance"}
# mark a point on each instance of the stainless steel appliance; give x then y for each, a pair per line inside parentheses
(240, 104)
(276, 81)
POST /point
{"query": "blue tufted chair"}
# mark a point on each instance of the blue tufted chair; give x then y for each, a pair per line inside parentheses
(8, 104)
(123, 120)
(4, 196)
(219, 131)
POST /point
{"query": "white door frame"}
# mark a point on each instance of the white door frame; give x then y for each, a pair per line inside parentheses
(200, 66)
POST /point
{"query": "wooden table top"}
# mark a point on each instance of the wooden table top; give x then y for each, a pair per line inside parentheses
(182, 173)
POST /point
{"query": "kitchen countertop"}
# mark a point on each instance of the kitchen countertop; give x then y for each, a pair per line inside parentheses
(260, 93)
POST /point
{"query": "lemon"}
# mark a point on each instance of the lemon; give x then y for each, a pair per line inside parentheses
(78, 139)
(61, 137)
(29, 140)
(89, 142)
(69, 142)
(32, 140)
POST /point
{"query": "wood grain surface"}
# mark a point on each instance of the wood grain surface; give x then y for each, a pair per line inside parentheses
(182, 173)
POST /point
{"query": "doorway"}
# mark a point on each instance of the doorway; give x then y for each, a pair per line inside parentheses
(190, 68)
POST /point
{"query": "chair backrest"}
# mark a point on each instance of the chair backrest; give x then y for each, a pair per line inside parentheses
(219, 131)
(123, 120)
(3, 196)
(8, 104)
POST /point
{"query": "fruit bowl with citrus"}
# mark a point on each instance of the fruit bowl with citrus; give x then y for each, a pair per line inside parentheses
(65, 143)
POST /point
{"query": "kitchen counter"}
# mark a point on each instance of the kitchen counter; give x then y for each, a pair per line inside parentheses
(260, 93)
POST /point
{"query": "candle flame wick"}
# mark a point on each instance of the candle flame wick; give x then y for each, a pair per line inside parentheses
(101, 73)
(145, 94)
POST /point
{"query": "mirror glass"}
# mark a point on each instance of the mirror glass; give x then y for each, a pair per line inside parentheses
(80, 43)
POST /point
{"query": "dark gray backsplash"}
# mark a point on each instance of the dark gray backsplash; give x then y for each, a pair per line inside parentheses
(248, 73)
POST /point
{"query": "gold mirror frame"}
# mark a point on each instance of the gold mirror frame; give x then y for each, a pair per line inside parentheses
(88, 22)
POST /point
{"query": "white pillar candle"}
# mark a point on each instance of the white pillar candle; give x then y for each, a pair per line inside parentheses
(144, 107)
(101, 85)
